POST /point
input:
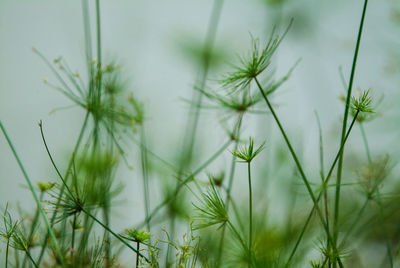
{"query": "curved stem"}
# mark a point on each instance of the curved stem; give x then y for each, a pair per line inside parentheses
(67, 173)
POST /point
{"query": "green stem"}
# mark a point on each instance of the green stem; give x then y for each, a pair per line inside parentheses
(144, 164)
(32, 189)
(289, 145)
(236, 233)
(295, 158)
(114, 234)
(73, 233)
(346, 112)
(368, 152)
(188, 178)
(323, 189)
(31, 259)
(33, 226)
(137, 255)
(229, 189)
(250, 213)
(365, 140)
(7, 250)
(67, 173)
(322, 173)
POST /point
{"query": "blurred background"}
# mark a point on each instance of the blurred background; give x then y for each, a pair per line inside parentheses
(157, 43)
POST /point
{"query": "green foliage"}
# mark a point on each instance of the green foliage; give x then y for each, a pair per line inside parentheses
(228, 227)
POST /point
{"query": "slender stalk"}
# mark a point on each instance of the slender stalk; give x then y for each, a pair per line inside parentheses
(368, 152)
(31, 259)
(322, 173)
(289, 145)
(237, 234)
(194, 113)
(328, 176)
(295, 158)
(144, 164)
(33, 226)
(32, 189)
(73, 233)
(7, 250)
(137, 255)
(66, 176)
(303, 230)
(354, 224)
(250, 213)
(229, 189)
(188, 178)
(346, 113)
(114, 234)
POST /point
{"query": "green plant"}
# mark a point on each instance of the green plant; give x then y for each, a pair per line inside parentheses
(292, 215)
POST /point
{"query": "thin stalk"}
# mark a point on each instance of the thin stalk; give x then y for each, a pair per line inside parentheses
(32, 189)
(295, 158)
(346, 113)
(33, 226)
(137, 255)
(365, 141)
(194, 114)
(368, 152)
(188, 178)
(328, 176)
(289, 145)
(31, 259)
(237, 234)
(73, 233)
(250, 212)
(66, 176)
(7, 250)
(230, 184)
(114, 234)
(303, 230)
(354, 224)
(197, 96)
(322, 173)
(144, 164)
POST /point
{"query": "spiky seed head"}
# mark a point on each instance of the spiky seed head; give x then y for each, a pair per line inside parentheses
(138, 236)
(211, 211)
(363, 102)
(253, 64)
(247, 154)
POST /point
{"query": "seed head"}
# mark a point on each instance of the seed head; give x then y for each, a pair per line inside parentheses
(248, 153)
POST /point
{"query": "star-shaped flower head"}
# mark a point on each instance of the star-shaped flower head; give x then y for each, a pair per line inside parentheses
(253, 64)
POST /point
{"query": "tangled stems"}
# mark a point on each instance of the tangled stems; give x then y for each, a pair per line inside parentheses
(39, 205)
(346, 112)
